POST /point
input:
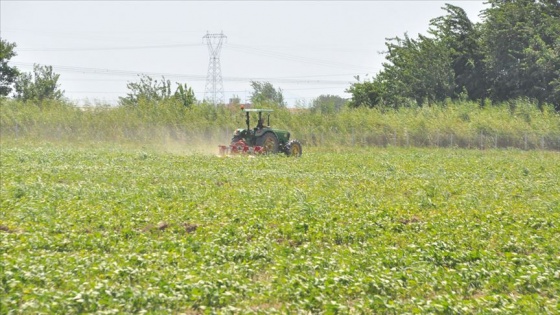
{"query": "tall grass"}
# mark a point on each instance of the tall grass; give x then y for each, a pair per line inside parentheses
(521, 124)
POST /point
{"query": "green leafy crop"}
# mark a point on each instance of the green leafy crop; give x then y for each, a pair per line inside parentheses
(114, 230)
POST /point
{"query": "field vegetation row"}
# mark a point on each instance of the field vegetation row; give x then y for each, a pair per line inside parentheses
(102, 228)
(518, 124)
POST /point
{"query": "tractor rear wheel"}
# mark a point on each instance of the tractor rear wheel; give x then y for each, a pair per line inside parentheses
(269, 142)
(293, 148)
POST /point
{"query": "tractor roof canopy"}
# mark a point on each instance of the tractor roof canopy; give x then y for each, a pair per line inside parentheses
(256, 110)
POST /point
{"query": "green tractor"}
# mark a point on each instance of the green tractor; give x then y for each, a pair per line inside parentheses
(262, 139)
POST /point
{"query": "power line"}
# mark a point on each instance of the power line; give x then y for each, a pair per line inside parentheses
(292, 78)
(106, 48)
(230, 91)
(241, 48)
(193, 77)
(113, 72)
(289, 57)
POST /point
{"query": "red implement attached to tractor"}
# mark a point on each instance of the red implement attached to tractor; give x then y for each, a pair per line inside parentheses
(240, 147)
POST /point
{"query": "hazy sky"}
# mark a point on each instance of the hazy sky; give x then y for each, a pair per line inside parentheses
(306, 48)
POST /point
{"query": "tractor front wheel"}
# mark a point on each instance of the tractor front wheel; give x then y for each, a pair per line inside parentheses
(293, 148)
(269, 142)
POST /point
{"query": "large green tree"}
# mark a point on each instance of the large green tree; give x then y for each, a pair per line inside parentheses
(522, 49)
(367, 93)
(8, 75)
(417, 71)
(514, 52)
(328, 104)
(461, 38)
(151, 90)
(40, 85)
(427, 69)
(265, 93)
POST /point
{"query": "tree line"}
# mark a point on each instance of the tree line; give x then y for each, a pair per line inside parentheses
(513, 53)
(41, 84)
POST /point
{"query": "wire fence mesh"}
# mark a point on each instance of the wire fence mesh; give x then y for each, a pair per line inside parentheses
(478, 140)
(317, 137)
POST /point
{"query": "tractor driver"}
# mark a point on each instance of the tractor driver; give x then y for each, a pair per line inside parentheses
(260, 124)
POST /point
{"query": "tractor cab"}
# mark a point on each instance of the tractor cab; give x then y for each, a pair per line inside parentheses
(261, 123)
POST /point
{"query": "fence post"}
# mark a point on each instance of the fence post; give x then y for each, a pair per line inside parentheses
(451, 140)
(406, 138)
(525, 140)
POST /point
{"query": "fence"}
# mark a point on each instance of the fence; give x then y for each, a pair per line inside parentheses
(469, 140)
(318, 137)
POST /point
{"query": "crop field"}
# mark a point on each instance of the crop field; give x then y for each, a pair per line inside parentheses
(114, 229)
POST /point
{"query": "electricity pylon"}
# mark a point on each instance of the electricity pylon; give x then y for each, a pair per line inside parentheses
(214, 91)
